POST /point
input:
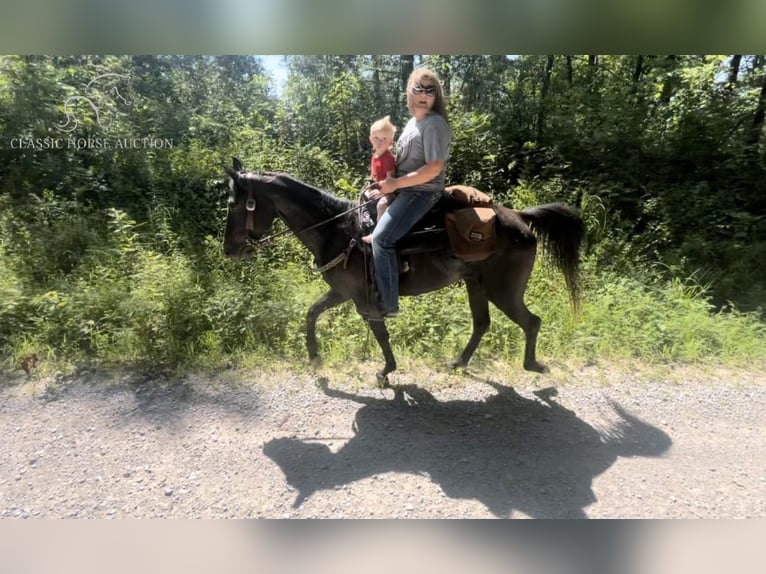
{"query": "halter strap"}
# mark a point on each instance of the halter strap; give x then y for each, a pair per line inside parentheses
(250, 207)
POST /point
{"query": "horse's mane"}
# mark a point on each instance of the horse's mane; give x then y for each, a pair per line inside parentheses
(316, 200)
(324, 200)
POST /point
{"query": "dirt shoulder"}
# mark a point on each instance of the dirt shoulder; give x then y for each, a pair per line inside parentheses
(589, 442)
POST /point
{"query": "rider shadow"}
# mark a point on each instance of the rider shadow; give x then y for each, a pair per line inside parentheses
(509, 452)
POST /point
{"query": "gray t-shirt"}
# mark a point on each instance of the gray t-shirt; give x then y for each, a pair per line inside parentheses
(422, 142)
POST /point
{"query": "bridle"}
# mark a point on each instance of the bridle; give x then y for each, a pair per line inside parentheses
(252, 242)
(250, 224)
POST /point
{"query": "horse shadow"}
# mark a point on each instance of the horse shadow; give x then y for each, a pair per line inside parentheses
(509, 452)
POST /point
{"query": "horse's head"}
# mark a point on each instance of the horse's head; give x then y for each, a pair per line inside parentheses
(250, 215)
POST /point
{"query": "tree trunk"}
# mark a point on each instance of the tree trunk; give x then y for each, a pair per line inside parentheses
(569, 70)
(407, 65)
(446, 75)
(731, 80)
(544, 96)
(377, 87)
(671, 81)
(637, 72)
(592, 66)
(753, 135)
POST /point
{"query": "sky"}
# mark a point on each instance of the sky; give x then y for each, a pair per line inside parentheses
(274, 65)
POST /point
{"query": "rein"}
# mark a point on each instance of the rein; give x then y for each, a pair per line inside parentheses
(249, 226)
(255, 242)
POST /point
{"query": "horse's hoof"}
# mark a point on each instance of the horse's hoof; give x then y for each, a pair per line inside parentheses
(536, 367)
(315, 362)
(383, 382)
(322, 383)
(458, 364)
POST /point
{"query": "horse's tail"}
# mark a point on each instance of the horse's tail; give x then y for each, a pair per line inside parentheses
(630, 436)
(560, 231)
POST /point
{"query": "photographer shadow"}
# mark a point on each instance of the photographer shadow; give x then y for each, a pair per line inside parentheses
(509, 452)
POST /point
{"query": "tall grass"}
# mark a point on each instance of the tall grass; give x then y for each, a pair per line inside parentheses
(671, 320)
(125, 299)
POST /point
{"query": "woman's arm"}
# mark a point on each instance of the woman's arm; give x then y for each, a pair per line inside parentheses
(420, 176)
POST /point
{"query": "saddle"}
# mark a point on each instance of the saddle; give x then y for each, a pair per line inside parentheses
(462, 221)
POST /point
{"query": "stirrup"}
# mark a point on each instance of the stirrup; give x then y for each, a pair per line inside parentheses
(377, 315)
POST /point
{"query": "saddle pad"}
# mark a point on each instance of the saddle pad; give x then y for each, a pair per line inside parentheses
(471, 232)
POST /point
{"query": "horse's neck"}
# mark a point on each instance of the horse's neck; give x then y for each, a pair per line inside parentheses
(301, 208)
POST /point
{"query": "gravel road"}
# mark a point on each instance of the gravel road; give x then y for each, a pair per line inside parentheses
(586, 442)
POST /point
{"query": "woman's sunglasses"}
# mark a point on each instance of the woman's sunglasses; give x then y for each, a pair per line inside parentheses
(429, 91)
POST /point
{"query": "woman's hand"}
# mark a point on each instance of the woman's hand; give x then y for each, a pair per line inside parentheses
(388, 185)
(420, 176)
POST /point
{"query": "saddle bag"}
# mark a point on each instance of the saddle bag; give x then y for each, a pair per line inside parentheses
(471, 232)
(471, 229)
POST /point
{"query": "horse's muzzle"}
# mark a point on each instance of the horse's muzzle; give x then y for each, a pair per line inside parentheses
(237, 252)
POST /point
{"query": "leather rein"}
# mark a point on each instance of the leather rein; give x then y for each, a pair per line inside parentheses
(251, 242)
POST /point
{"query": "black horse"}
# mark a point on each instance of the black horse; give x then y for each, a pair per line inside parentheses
(328, 226)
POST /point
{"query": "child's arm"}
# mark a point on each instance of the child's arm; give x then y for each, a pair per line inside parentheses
(391, 166)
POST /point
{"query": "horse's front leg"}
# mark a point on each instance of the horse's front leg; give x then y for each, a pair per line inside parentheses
(381, 336)
(327, 301)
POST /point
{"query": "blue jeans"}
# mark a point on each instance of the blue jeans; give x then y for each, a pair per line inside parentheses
(398, 219)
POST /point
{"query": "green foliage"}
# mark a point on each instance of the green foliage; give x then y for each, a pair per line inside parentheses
(434, 327)
(664, 321)
(476, 153)
(14, 307)
(114, 255)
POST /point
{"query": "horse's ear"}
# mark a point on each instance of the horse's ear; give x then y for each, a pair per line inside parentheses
(236, 168)
(231, 172)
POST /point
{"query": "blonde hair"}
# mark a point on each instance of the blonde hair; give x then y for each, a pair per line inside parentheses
(383, 125)
(416, 77)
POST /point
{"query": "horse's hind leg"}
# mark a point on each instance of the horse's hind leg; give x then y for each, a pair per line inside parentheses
(380, 331)
(506, 291)
(327, 301)
(479, 304)
(530, 323)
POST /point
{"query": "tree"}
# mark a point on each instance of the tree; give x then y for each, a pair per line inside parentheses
(755, 130)
(734, 65)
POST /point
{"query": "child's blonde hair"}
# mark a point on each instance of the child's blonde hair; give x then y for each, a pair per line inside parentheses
(383, 125)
